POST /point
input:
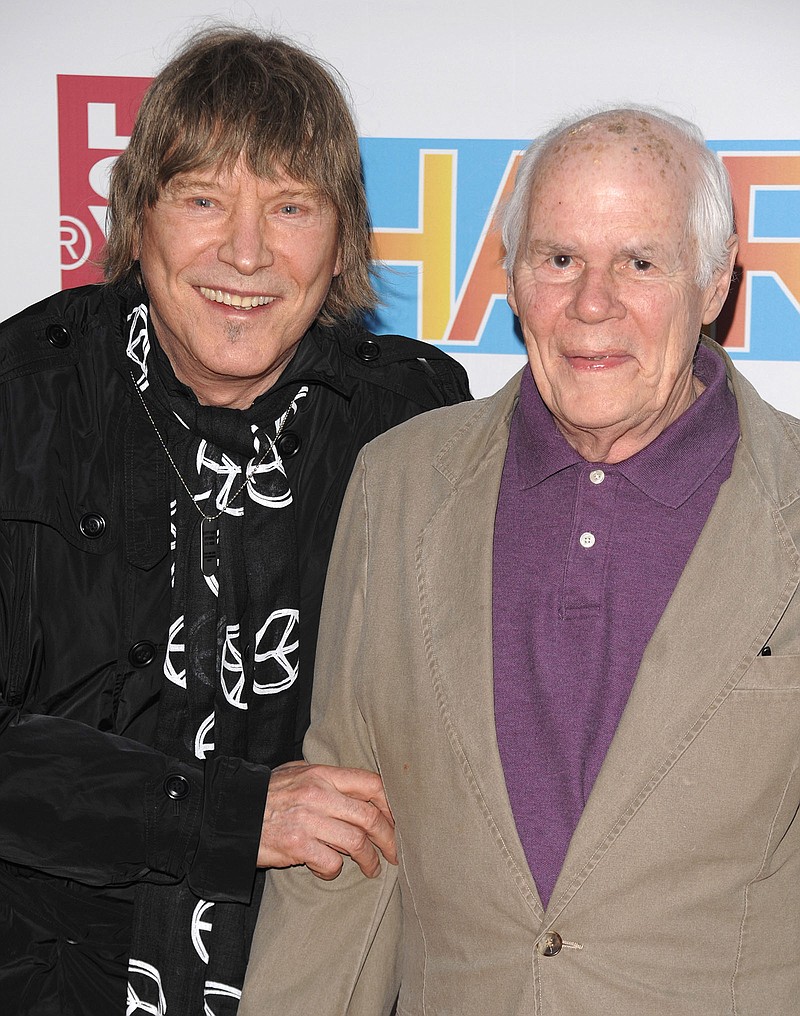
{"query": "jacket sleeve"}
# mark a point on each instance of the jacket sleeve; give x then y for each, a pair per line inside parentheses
(344, 934)
(89, 805)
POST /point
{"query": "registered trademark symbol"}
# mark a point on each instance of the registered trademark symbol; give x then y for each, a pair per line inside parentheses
(76, 243)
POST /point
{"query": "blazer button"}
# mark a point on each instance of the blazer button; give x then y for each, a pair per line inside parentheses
(176, 786)
(550, 944)
(288, 444)
(92, 525)
(58, 336)
(142, 654)
(368, 350)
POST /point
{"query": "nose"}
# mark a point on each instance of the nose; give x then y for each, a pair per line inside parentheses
(246, 244)
(595, 296)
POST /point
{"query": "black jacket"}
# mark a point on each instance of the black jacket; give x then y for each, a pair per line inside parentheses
(84, 602)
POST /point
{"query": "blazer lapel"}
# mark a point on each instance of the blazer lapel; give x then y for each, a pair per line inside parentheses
(737, 583)
(454, 560)
(739, 579)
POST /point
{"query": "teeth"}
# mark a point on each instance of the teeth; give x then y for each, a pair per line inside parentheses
(234, 300)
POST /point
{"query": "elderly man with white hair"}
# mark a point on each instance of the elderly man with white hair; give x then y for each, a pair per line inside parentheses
(574, 653)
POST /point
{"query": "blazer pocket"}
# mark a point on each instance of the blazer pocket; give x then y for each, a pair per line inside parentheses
(772, 673)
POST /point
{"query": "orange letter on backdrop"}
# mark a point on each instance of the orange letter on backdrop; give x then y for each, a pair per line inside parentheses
(430, 245)
(485, 280)
(780, 258)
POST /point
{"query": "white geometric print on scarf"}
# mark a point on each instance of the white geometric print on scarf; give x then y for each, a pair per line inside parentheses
(202, 743)
(227, 468)
(271, 491)
(145, 991)
(199, 926)
(138, 348)
(173, 537)
(231, 673)
(280, 632)
(266, 477)
(213, 989)
(175, 656)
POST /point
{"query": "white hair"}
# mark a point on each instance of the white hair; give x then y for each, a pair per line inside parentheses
(710, 219)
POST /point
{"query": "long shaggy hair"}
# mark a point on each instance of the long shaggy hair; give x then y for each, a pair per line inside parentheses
(231, 93)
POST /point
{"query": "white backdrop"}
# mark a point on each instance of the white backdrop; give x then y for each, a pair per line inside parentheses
(424, 69)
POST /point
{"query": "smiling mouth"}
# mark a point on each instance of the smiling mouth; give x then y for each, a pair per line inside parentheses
(235, 299)
(597, 361)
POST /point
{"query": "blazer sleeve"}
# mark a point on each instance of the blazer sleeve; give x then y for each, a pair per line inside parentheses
(332, 948)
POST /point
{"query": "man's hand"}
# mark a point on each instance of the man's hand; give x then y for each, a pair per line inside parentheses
(314, 814)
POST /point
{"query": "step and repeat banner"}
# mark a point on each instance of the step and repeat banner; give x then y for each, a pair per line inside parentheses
(449, 96)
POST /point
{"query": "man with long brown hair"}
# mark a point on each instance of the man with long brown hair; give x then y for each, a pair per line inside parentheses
(176, 446)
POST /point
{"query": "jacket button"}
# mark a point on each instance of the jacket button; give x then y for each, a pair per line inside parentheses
(550, 944)
(176, 786)
(92, 525)
(142, 653)
(368, 350)
(288, 444)
(58, 336)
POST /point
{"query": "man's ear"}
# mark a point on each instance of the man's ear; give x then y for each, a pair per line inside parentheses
(510, 295)
(717, 292)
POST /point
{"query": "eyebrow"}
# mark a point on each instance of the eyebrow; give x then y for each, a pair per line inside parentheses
(186, 183)
(644, 251)
(181, 188)
(546, 248)
(181, 184)
(304, 193)
(542, 243)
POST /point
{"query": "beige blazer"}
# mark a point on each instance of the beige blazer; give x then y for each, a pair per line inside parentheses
(680, 893)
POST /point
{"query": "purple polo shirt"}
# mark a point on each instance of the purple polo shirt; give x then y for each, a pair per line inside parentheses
(586, 556)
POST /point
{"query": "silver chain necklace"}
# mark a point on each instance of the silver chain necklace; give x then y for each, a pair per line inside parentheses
(209, 530)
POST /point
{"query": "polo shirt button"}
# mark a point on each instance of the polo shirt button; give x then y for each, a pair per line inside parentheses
(587, 540)
(92, 525)
(597, 476)
(58, 336)
(176, 786)
(368, 350)
(141, 654)
(550, 944)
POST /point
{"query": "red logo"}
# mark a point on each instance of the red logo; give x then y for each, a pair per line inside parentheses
(95, 119)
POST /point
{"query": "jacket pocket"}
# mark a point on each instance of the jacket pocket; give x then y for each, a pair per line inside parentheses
(772, 673)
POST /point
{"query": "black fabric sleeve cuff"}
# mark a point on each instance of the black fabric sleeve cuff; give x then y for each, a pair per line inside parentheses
(235, 795)
(173, 813)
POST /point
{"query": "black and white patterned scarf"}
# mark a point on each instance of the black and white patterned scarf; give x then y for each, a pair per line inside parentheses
(231, 660)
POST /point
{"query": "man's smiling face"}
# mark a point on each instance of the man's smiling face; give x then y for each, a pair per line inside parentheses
(237, 268)
(604, 286)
